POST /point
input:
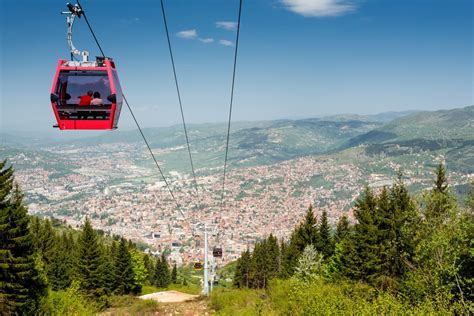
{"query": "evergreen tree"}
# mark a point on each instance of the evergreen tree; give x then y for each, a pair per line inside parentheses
(257, 266)
(47, 241)
(174, 274)
(438, 201)
(242, 271)
(89, 263)
(123, 269)
(107, 268)
(150, 267)
(333, 269)
(470, 199)
(305, 234)
(21, 284)
(342, 229)
(362, 250)
(309, 265)
(273, 257)
(162, 273)
(441, 182)
(326, 245)
(58, 270)
(403, 223)
(443, 248)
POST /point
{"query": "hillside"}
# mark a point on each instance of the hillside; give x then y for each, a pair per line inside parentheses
(443, 125)
(252, 143)
(450, 132)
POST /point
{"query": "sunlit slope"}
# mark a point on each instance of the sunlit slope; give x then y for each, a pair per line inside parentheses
(432, 126)
(448, 132)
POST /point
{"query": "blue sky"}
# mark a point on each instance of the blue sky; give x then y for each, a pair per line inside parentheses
(297, 58)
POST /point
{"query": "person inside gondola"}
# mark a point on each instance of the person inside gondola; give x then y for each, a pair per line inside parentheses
(96, 100)
(85, 100)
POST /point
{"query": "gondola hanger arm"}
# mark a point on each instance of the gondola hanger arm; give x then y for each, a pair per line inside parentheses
(74, 10)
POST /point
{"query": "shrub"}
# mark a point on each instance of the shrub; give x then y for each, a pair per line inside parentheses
(68, 302)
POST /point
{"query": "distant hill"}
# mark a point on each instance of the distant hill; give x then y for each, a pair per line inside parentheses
(383, 117)
(251, 143)
(437, 125)
(448, 130)
(265, 142)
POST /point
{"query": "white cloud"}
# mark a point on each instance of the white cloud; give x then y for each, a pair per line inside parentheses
(188, 34)
(319, 8)
(206, 40)
(130, 20)
(226, 25)
(226, 43)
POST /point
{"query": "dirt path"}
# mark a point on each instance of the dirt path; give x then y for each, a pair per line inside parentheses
(169, 297)
(178, 303)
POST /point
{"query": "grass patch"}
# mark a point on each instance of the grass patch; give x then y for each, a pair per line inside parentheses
(131, 305)
(291, 297)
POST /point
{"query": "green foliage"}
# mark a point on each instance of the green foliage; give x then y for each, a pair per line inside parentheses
(306, 233)
(381, 247)
(130, 305)
(342, 229)
(238, 302)
(59, 268)
(22, 281)
(333, 269)
(174, 274)
(162, 272)
(255, 269)
(406, 258)
(470, 199)
(242, 270)
(309, 265)
(294, 297)
(140, 273)
(89, 263)
(362, 251)
(68, 302)
(123, 270)
(326, 244)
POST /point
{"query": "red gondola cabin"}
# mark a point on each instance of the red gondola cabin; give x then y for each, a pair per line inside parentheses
(86, 95)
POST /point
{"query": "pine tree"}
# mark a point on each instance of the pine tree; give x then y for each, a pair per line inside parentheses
(47, 241)
(273, 257)
(89, 263)
(362, 250)
(384, 221)
(470, 199)
(305, 234)
(150, 267)
(107, 268)
(342, 229)
(439, 201)
(123, 269)
(58, 269)
(325, 245)
(174, 274)
(242, 271)
(403, 225)
(441, 182)
(162, 273)
(21, 284)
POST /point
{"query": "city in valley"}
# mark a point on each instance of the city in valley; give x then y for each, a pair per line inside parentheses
(118, 187)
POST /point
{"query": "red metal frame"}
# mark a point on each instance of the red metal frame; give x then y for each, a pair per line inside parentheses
(108, 124)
